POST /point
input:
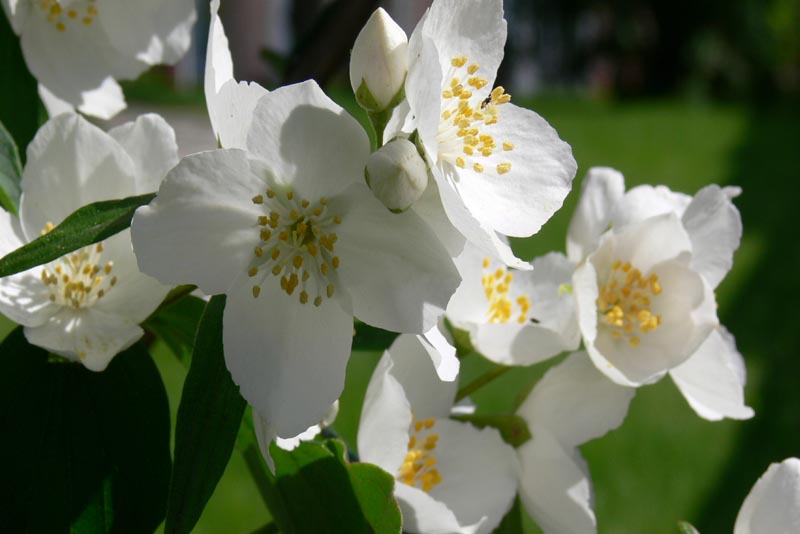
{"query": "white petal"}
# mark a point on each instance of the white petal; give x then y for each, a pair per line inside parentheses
(413, 369)
(219, 65)
(712, 379)
(25, 299)
(103, 101)
(715, 228)
(395, 269)
(516, 344)
(479, 473)
(649, 242)
(16, 11)
(202, 226)
(422, 514)
(87, 335)
(645, 201)
(53, 104)
(602, 189)
(773, 505)
(575, 402)
(264, 436)
(134, 295)
(520, 201)
(468, 304)
(312, 144)
(555, 487)
(400, 122)
(423, 90)
(472, 28)
(443, 356)
(288, 358)
(11, 236)
(151, 144)
(483, 237)
(385, 419)
(77, 65)
(152, 31)
(71, 163)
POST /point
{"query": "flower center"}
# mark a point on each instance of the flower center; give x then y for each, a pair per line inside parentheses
(297, 245)
(625, 300)
(497, 286)
(465, 120)
(62, 13)
(419, 469)
(78, 279)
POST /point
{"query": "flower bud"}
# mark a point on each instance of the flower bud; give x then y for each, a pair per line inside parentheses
(397, 174)
(379, 63)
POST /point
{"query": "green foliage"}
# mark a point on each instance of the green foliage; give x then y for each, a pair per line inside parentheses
(175, 323)
(512, 522)
(19, 99)
(208, 420)
(89, 224)
(88, 452)
(10, 172)
(320, 492)
(368, 337)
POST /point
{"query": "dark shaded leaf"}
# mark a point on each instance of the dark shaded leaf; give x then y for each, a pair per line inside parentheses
(512, 522)
(83, 451)
(10, 172)
(368, 337)
(208, 421)
(19, 98)
(176, 325)
(87, 225)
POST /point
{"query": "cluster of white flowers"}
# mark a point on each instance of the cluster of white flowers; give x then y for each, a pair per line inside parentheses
(303, 227)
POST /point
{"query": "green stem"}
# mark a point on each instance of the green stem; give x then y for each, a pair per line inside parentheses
(379, 120)
(481, 381)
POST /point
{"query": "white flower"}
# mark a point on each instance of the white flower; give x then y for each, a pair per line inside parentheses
(773, 505)
(230, 103)
(88, 304)
(572, 404)
(644, 289)
(77, 49)
(397, 174)
(450, 476)
(499, 168)
(515, 317)
(379, 62)
(290, 232)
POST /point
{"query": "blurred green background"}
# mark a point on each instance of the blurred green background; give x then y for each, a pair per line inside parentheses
(724, 110)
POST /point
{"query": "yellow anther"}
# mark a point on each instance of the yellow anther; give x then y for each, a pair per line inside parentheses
(324, 269)
(265, 234)
(459, 61)
(290, 195)
(477, 167)
(275, 253)
(335, 262)
(263, 220)
(473, 68)
(447, 94)
(503, 168)
(294, 214)
(276, 270)
(329, 290)
(87, 20)
(337, 219)
(256, 291)
(429, 423)
(91, 10)
(297, 261)
(317, 301)
(258, 199)
(60, 26)
(252, 271)
(312, 249)
(270, 193)
(323, 201)
(303, 297)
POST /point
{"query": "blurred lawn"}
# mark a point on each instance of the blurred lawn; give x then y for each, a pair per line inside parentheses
(665, 463)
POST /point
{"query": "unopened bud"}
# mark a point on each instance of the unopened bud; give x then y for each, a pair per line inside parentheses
(397, 174)
(379, 63)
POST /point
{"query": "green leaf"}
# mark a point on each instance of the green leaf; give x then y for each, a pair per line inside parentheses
(208, 421)
(10, 172)
(19, 97)
(372, 338)
(513, 428)
(374, 489)
(176, 325)
(322, 493)
(512, 522)
(87, 225)
(81, 450)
